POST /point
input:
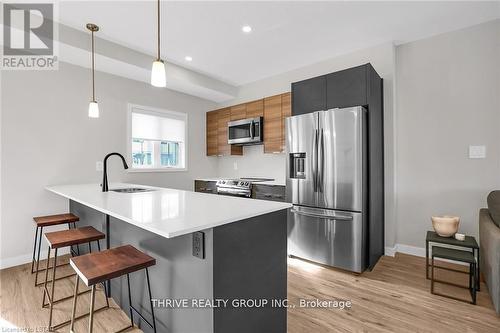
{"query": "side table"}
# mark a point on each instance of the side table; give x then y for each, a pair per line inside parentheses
(469, 243)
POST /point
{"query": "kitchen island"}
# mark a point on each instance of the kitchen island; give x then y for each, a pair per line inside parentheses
(237, 279)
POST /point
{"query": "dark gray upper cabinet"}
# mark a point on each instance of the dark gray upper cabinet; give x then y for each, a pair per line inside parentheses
(347, 88)
(309, 95)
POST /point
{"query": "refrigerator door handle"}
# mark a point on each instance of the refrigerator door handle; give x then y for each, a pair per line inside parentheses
(315, 162)
(321, 162)
(329, 217)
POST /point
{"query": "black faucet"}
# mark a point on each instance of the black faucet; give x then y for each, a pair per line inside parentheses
(105, 170)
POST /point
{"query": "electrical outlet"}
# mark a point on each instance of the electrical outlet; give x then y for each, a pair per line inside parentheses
(235, 165)
(99, 166)
(199, 244)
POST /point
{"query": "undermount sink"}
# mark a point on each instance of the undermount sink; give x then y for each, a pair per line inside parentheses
(131, 190)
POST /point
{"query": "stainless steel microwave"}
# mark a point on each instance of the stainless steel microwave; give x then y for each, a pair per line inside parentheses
(245, 131)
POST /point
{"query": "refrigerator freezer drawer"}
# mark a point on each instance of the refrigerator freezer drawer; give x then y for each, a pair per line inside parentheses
(334, 238)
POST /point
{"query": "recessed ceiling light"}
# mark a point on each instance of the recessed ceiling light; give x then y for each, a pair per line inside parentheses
(188, 58)
(246, 29)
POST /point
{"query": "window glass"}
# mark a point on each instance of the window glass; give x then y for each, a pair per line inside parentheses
(169, 153)
(142, 153)
(157, 139)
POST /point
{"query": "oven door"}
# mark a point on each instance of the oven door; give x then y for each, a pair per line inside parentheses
(245, 131)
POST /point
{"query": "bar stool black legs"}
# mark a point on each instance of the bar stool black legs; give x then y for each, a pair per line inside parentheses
(46, 221)
(34, 250)
(151, 301)
(132, 309)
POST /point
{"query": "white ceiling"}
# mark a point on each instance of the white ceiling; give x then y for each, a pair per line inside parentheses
(285, 36)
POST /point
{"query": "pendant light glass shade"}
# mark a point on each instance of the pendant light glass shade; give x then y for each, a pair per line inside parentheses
(93, 110)
(158, 75)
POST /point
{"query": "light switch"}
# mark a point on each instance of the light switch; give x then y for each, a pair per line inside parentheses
(99, 166)
(477, 151)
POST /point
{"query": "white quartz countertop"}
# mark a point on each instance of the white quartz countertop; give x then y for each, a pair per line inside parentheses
(167, 212)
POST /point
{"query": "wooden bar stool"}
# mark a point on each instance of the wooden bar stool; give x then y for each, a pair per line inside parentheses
(47, 221)
(57, 240)
(109, 264)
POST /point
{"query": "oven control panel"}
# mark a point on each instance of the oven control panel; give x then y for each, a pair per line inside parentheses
(234, 183)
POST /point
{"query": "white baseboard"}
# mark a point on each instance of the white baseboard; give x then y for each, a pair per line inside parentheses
(412, 250)
(390, 251)
(15, 261)
(408, 249)
(26, 258)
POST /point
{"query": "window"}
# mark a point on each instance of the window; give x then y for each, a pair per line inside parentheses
(156, 139)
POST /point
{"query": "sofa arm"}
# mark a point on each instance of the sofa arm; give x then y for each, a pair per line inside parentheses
(489, 238)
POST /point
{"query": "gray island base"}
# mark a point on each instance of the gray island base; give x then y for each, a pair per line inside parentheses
(244, 266)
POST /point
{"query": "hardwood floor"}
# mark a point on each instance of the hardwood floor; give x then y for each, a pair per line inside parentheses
(20, 303)
(394, 297)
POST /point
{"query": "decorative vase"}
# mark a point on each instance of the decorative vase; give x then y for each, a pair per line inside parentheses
(445, 226)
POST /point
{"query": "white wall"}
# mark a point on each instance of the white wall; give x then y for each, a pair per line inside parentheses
(47, 138)
(448, 97)
(255, 163)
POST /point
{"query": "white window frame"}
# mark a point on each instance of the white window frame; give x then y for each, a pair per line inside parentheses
(156, 112)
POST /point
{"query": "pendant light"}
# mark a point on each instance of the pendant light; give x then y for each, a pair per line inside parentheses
(158, 75)
(93, 106)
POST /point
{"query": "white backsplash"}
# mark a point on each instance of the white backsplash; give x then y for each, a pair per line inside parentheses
(253, 163)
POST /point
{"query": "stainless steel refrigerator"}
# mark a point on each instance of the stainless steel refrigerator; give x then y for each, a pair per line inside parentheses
(327, 185)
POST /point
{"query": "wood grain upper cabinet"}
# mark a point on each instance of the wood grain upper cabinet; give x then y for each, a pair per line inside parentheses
(286, 111)
(272, 124)
(238, 112)
(223, 148)
(255, 109)
(211, 126)
(273, 109)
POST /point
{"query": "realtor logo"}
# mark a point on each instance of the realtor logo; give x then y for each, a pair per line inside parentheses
(28, 36)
